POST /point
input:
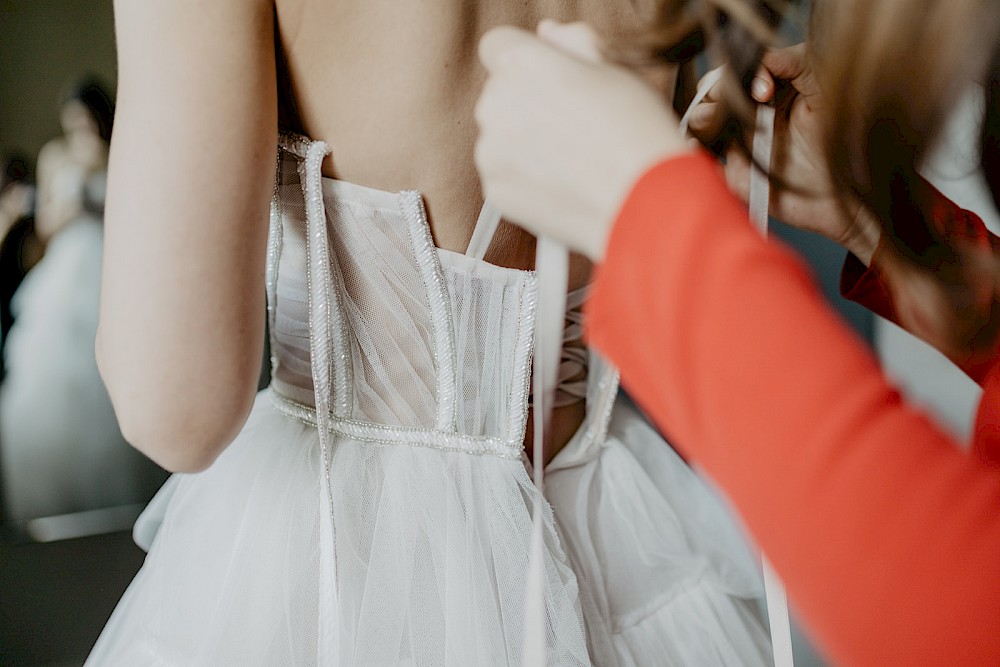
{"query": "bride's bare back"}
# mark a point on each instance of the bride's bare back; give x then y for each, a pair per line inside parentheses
(391, 85)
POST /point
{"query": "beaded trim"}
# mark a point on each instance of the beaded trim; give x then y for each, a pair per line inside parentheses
(398, 435)
(606, 390)
(521, 387)
(318, 292)
(295, 144)
(412, 208)
(336, 339)
(274, 242)
(321, 349)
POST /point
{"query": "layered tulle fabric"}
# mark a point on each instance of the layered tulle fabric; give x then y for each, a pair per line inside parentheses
(666, 578)
(431, 551)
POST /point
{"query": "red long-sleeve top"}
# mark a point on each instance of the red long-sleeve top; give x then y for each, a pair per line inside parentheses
(886, 533)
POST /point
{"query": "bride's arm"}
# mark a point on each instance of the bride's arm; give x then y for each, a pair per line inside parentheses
(190, 179)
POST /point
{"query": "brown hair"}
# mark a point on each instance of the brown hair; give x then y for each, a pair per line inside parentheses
(908, 63)
(734, 32)
(892, 71)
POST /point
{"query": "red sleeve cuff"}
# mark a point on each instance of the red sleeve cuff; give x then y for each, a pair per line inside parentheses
(865, 286)
(868, 287)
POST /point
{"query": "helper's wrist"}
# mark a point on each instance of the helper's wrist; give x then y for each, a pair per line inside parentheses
(866, 236)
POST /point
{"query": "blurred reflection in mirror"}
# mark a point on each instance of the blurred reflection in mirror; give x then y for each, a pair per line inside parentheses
(20, 247)
(66, 469)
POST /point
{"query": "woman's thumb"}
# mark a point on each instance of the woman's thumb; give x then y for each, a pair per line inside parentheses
(785, 64)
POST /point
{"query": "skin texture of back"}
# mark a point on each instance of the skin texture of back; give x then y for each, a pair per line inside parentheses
(390, 85)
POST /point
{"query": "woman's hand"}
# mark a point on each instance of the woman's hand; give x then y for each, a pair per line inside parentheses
(798, 160)
(564, 134)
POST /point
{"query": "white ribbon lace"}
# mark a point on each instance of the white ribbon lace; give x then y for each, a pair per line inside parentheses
(759, 204)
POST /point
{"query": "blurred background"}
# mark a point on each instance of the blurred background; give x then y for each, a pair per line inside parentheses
(45, 45)
(70, 487)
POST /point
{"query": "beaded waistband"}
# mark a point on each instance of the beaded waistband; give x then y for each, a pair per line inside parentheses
(380, 434)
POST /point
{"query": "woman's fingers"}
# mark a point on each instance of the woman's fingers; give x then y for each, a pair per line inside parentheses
(791, 65)
(706, 118)
(578, 39)
(762, 86)
(786, 64)
(508, 46)
(563, 134)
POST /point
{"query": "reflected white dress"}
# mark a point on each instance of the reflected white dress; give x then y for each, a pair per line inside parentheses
(60, 448)
(396, 532)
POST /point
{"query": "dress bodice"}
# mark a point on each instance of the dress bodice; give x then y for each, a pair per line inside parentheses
(421, 338)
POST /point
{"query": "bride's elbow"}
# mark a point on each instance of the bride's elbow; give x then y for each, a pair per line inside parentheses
(173, 458)
(169, 447)
(180, 435)
(174, 461)
(181, 430)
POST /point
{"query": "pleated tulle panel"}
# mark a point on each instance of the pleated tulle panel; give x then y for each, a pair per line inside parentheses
(387, 307)
(431, 560)
(492, 311)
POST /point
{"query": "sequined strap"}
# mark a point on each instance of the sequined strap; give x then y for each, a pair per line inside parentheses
(323, 323)
(380, 434)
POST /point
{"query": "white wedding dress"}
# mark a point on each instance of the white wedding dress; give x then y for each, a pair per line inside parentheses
(397, 531)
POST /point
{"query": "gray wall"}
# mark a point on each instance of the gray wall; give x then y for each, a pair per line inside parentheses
(45, 45)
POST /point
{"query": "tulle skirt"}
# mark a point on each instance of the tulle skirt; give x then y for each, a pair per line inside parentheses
(431, 554)
(431, 551)
(666, 576)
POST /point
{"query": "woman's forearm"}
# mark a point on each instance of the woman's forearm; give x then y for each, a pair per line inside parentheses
(884, 531)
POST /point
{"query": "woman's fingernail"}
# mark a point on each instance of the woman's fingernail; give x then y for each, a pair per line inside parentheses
(760, 89)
